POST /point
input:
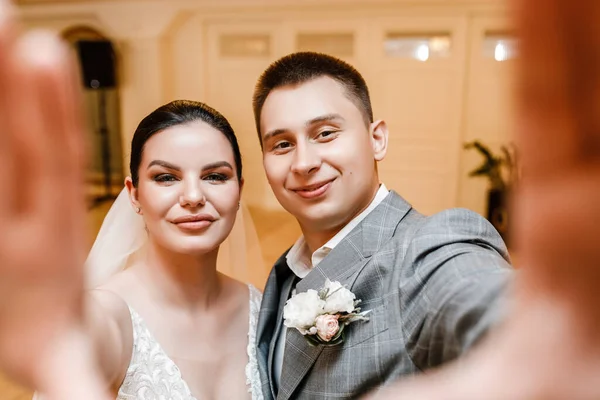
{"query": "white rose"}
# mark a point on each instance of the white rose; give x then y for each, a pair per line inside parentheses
(301, 311)
(339, 299)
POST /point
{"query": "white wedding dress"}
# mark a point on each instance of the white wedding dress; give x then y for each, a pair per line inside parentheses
(152, 375)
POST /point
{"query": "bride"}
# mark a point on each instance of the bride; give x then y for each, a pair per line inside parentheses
(159, 320)
(163, 321)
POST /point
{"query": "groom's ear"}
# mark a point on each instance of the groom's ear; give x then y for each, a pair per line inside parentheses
(133, 193)
(379, 139)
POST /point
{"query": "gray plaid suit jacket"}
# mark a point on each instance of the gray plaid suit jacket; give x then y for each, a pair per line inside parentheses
(433, 285)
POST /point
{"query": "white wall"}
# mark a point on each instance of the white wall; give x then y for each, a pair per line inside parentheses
(172, 50)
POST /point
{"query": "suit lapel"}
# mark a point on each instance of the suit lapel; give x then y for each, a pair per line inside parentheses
(298, 357)
(285, 294)
(277, 289)
(344, 263)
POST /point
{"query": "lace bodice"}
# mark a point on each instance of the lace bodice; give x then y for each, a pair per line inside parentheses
(153, 375)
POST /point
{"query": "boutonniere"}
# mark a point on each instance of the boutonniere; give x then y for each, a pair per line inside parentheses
(321, 316)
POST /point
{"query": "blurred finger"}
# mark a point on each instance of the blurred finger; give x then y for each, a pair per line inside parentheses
(558, 83)
(6, 156)
(581, 21)
(69, 104)
(58, 107)
(32, 119)
(71, 133)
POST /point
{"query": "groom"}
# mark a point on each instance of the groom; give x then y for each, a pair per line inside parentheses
(432, 285)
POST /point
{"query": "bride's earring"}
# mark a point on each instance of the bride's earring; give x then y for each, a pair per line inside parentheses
(138, 210)
(238, 205)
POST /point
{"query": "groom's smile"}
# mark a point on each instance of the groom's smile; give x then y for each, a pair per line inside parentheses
(314, 191)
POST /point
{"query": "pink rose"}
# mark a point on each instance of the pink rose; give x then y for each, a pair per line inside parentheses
(327, 326)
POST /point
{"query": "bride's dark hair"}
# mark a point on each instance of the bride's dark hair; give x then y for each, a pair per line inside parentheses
(175, 113)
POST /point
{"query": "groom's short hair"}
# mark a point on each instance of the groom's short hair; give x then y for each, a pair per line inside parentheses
(301, 67)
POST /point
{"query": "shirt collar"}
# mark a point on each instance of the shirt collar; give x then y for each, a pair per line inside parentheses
(299, 259)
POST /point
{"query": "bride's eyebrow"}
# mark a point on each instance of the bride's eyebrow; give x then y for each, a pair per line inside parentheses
(164, 164)
(215, 165)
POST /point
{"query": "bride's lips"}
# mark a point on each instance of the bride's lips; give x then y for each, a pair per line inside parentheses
(194, 221)
(313, 191)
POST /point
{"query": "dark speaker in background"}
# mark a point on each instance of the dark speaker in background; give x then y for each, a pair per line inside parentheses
(97, 59)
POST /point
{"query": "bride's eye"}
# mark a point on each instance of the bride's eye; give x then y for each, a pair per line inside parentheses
(216, 177)
(165, 178)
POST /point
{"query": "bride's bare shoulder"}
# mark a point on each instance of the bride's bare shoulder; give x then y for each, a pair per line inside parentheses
(112, 329)
(112, 304)
(114, 295)
(238, 290)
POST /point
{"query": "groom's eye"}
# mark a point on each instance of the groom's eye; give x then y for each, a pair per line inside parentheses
(326, 134)
(282, 145)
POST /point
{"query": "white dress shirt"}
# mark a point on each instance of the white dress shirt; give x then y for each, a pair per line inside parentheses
(301, 262)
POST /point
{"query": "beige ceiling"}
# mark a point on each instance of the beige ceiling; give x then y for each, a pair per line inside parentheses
(57, 1)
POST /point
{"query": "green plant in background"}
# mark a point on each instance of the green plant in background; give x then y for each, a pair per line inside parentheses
(502, 172)
(500, 169)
